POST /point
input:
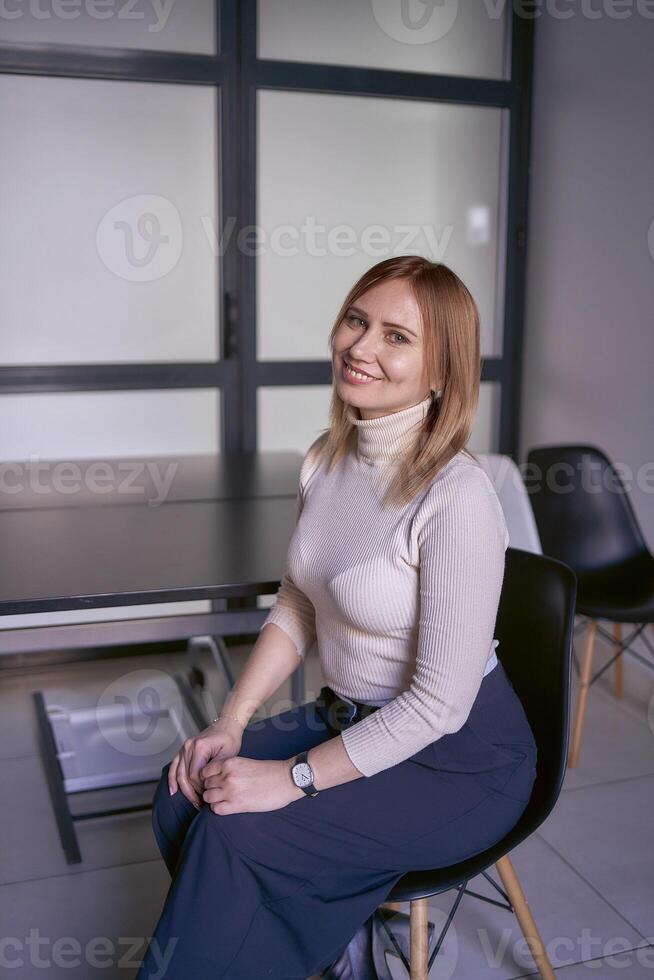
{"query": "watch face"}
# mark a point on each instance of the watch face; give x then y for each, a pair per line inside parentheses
(302, 774)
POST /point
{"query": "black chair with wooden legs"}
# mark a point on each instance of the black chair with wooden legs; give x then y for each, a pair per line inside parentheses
(585, 519)
(534, 629)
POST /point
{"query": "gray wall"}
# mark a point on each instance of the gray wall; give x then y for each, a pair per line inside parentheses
(589, 333)
(589, 345)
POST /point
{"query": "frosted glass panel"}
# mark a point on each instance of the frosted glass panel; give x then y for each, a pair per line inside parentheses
(345, 181)
(485, 431)
(108, 189)
(451, 37)
(291, 417)
(168, 25)
(87, 425)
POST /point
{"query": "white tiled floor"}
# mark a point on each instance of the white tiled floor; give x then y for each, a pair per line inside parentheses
(588, 872)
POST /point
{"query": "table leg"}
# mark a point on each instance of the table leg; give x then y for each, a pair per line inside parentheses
(58, 794)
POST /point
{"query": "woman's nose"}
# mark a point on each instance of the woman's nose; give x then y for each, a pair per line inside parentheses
(364, 347)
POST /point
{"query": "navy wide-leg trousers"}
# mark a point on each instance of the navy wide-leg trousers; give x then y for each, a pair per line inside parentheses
(279, 894)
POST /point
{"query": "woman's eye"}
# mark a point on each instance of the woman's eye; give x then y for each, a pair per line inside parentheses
(353, 318)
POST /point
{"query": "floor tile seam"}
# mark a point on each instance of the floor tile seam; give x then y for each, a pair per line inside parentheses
(608, 782)
(82, 871)
(594, 959)
(592, 887)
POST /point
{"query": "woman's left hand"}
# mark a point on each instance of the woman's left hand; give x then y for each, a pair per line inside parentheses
(239, 785)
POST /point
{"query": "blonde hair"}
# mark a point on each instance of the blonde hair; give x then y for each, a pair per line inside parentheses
(450, 328)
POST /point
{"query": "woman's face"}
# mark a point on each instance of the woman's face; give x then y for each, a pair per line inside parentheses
(381, 336)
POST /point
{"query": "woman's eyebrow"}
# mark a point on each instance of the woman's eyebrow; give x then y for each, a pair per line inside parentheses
(357, 309)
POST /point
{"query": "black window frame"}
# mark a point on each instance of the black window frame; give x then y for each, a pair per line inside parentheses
(238, 75)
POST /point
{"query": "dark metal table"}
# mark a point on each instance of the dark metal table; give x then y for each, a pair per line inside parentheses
(154, 530)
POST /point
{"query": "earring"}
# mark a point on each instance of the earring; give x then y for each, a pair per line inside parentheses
(436, 394)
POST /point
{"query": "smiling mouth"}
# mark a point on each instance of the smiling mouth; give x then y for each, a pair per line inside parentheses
(355, 372)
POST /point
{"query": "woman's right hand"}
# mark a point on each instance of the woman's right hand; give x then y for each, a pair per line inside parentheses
(221, 740)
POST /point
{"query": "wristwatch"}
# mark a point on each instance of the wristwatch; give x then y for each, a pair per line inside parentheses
(302, 774)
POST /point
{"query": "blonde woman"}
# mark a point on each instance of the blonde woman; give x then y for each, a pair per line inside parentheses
(282, 836)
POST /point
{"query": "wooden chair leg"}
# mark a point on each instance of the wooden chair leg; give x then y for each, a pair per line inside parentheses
(582, 695)
(617, 676)
(419, 958)
(393, 906)
(524, 917)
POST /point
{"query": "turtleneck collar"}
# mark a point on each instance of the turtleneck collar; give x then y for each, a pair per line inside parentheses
(387, 437)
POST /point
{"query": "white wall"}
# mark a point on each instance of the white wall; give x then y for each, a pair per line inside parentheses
(589, 322)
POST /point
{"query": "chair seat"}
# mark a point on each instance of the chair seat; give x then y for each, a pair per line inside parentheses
(423, 884)
(622, 593)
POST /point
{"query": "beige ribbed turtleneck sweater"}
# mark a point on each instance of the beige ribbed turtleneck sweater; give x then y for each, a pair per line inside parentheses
(402, 602)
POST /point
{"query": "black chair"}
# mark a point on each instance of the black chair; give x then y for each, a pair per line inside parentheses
(534, 628)
(585, 519)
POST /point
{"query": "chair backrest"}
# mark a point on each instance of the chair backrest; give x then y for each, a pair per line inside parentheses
(534, 627)
(511, 490)
(582, 511)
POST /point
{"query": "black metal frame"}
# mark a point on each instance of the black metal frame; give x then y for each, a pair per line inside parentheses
(65, 818)
(386, 918)
(624, 646)
(59, 796)
(238, 74)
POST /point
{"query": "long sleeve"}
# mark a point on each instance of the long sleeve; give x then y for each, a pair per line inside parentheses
(461, 539)
(292, 610)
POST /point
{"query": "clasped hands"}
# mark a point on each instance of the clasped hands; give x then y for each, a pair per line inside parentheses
(207, 769)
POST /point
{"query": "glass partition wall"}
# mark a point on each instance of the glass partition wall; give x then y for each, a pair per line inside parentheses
(189, 190)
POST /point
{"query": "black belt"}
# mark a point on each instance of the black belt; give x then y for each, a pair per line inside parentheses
(339, 713)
